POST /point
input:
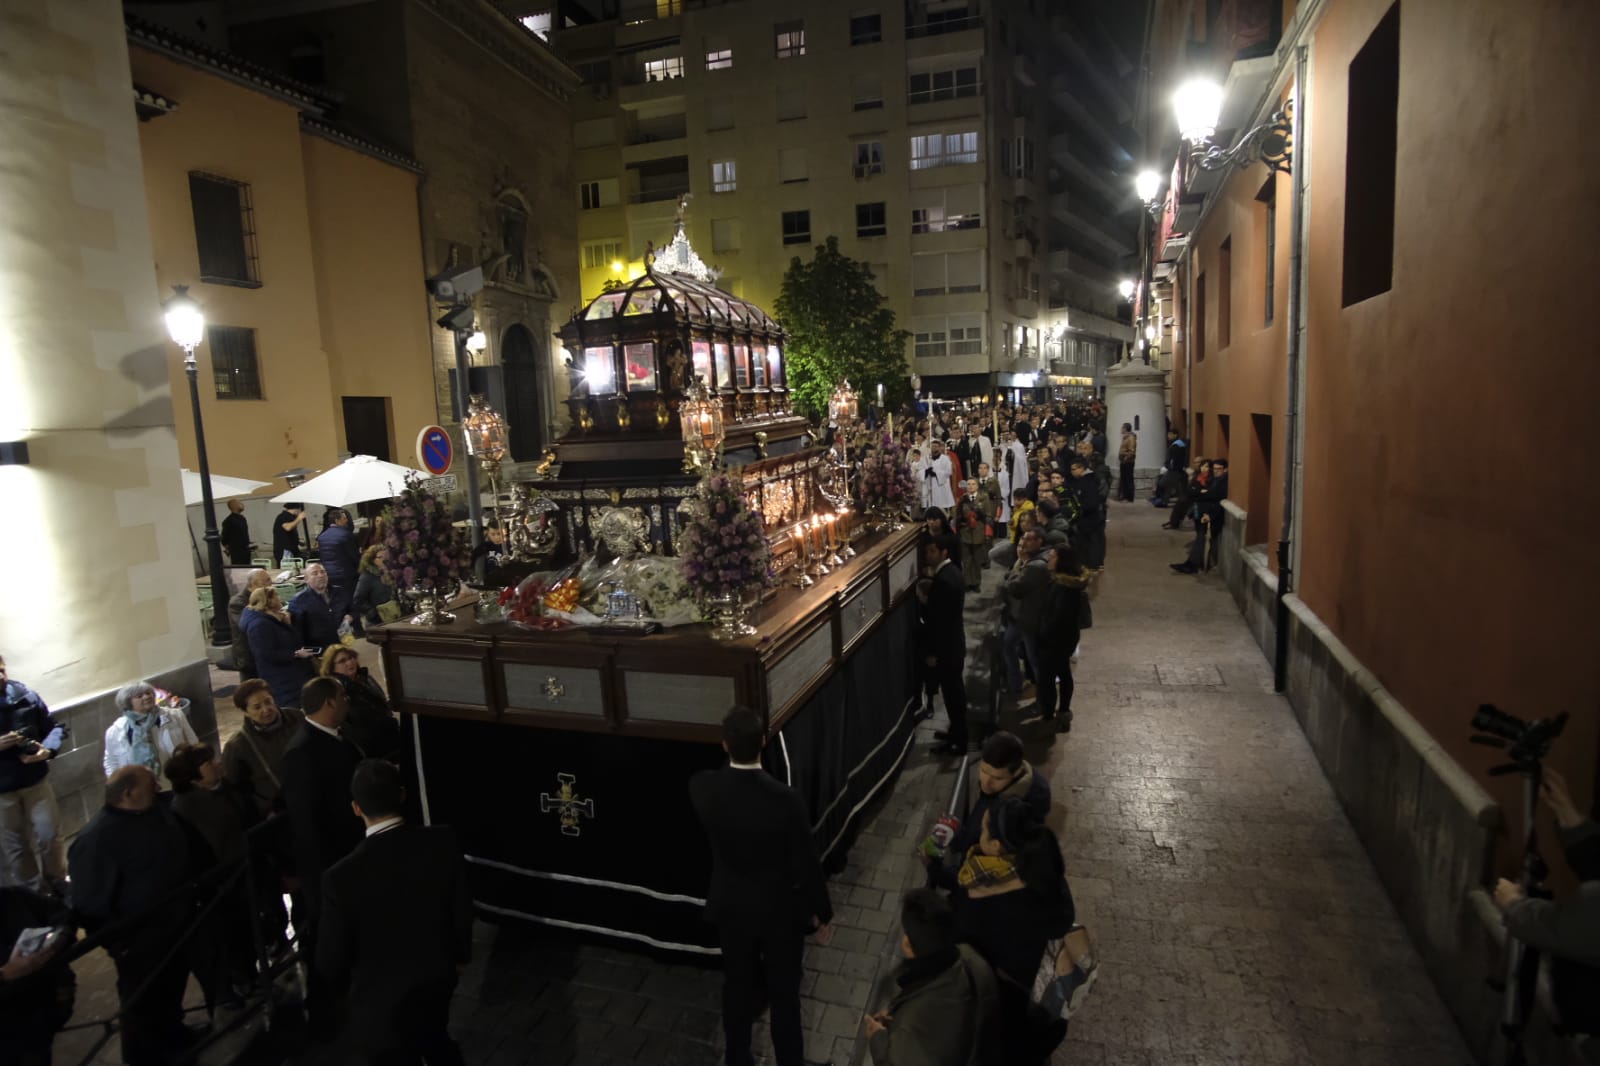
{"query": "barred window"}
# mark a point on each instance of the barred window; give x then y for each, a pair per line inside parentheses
(224, 230)
(234, 368)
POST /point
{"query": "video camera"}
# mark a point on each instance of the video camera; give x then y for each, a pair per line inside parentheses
(1526, 743)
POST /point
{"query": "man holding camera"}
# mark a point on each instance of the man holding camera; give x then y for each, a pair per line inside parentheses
(30, 843)
(1567, 930)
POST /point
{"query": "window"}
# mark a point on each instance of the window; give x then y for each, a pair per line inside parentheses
(946, 272)
(943, 149)
(663, 69)
(598, 254)
(866, 94)
(233, 362)
(724, 176)
(1369, 162)
(1268, 198)
(1225, 293)
(719, 115)
(1016, 157)
(724, 235)
(1199, 318)
(866, 29)
(791, 38)
(1005, 340)
(721, 59)
(796, 227)
(791, 165)
(950, 207)
(224, 230)
(594, 133)
(929, 340)
(952, 84)
(872, 220)
(593, 194)
(595, 73)
(538, 25)
(791, 102)
(869, 158)
(966, 339)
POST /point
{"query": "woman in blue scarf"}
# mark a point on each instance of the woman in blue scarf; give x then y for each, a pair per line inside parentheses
(145, 735)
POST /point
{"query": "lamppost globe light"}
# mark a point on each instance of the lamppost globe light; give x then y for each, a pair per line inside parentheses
(1125, 287)
(1147, 183)
(186, 323)
(1198, 104)
(477, 342)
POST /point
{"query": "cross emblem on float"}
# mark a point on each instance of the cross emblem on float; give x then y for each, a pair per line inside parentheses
(567, 802)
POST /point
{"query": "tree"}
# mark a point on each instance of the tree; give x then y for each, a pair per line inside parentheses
(838, 328)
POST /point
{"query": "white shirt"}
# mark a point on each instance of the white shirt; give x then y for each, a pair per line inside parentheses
(744, 765)
(382, 825)
(939, 491)
(313, 723)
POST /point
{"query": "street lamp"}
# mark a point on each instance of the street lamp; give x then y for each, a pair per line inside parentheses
(1125, 287)
(1147, 183)
(186, 325)
(1198, 103)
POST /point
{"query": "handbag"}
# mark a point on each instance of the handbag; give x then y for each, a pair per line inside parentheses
(389, 611)
(1067, 972)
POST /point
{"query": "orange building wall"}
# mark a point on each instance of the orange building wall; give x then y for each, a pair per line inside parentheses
(1450, 508)
(241, 134)
(367, 248)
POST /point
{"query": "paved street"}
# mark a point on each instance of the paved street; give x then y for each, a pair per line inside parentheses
(1239, 922)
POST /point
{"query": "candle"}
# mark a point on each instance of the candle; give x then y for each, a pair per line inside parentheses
(880, 395)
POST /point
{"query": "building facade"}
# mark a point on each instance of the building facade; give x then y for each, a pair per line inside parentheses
(483, 106)
(302, 245)
(1439, 557)
(934, 140)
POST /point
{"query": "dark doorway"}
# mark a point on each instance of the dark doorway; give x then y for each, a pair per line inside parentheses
(366, 427)
(1261, 487)
(520, 358)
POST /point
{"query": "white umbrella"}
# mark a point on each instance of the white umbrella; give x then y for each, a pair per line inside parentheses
(222, 487)
(357, 479)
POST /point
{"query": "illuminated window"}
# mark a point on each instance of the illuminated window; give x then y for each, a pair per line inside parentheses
(599, 372)
(791, 38)
(663, 69)
(943, 149)
(721, 59)
(598, 254)
(724, 176)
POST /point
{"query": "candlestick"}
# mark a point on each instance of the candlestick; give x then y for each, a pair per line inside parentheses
(844, 537)
(802, 580)
(819, 567)
(880, 395)
(833, 543)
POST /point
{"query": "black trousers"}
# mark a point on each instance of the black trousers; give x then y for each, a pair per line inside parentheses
(1125, 486)
(1057, 666)
(413, 1029)
(752, 960)
(152, 1024)
(952, 684)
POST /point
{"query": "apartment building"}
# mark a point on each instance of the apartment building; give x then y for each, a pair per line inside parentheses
(933, 139)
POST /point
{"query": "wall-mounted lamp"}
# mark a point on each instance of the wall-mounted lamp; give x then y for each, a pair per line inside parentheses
(14, 453)
(477, 342)
(1147, 183)
(1198, 103)
(1125, 287)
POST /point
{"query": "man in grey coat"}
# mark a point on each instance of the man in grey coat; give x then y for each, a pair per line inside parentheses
(946, 1009)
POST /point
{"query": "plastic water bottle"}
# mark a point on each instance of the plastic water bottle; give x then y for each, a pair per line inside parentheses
(287, 562)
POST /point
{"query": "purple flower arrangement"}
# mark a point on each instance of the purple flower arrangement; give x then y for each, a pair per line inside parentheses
(421, 548)
(722, 546)
(885, 478)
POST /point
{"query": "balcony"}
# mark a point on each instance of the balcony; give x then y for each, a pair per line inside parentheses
(936, 18)
(1025, 306)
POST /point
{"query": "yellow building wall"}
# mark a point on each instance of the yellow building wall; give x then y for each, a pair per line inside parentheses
(367, 248)
(243, 135)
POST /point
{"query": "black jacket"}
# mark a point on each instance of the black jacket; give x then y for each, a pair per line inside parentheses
(1209, 498)
(272, 647)
(764, 868)
(944, 634)
(127, 863)
(1010, 929)
(314, 621)
(316, 774)
(396, 919)
(236, 536)
(22, 711)
(371, 725)
(371, 590)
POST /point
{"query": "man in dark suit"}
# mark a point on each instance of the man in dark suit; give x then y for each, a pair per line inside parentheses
(1209, 504)
(396, 928)
(316, 772)
(944, 637)
(767, 888)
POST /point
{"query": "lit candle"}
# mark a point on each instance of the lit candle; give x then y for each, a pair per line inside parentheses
(880, 395)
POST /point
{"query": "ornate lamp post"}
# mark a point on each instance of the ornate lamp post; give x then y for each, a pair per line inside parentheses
(843, 410)
(700, 415)
(186, 324)
(485, 432)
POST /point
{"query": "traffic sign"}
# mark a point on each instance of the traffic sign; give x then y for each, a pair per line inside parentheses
(435, 450)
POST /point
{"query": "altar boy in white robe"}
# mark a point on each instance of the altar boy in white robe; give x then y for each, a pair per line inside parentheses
(940, 492)
(1013, 472)
(919, 471)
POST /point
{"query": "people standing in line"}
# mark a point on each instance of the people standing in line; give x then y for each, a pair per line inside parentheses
(315, 615)
(1173, 475)
(372, 591)
(1089, 540)
(37, 987)
(938, 473)
(286, 532)
(275, 647)
(989, 501)
(1208, 517)
(236, 534)
(243, 661)
(1023, 594)
(371, 725)
(396, 928)
(1127, 455)
(943, 641)
(972, 527)
(252, 760)
(31, 853)
(1059, 634)
(946, 1005)
(316, 771)
(1003, 771)
(145, 735)
(767, 888)
(337, 551)
(134, 859)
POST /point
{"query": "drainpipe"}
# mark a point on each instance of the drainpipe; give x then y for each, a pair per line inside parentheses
(1280, 659)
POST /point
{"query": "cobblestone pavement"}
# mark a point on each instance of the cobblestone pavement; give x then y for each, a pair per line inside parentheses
(1239, 921)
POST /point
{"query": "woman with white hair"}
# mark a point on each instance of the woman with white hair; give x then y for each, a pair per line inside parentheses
(145, 735)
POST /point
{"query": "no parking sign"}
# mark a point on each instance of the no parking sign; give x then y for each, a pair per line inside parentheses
(434, 450)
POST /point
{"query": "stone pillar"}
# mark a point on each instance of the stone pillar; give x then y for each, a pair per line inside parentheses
(99, 588)
(1134, 393)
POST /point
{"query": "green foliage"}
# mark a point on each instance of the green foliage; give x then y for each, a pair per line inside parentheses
(838, 327)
